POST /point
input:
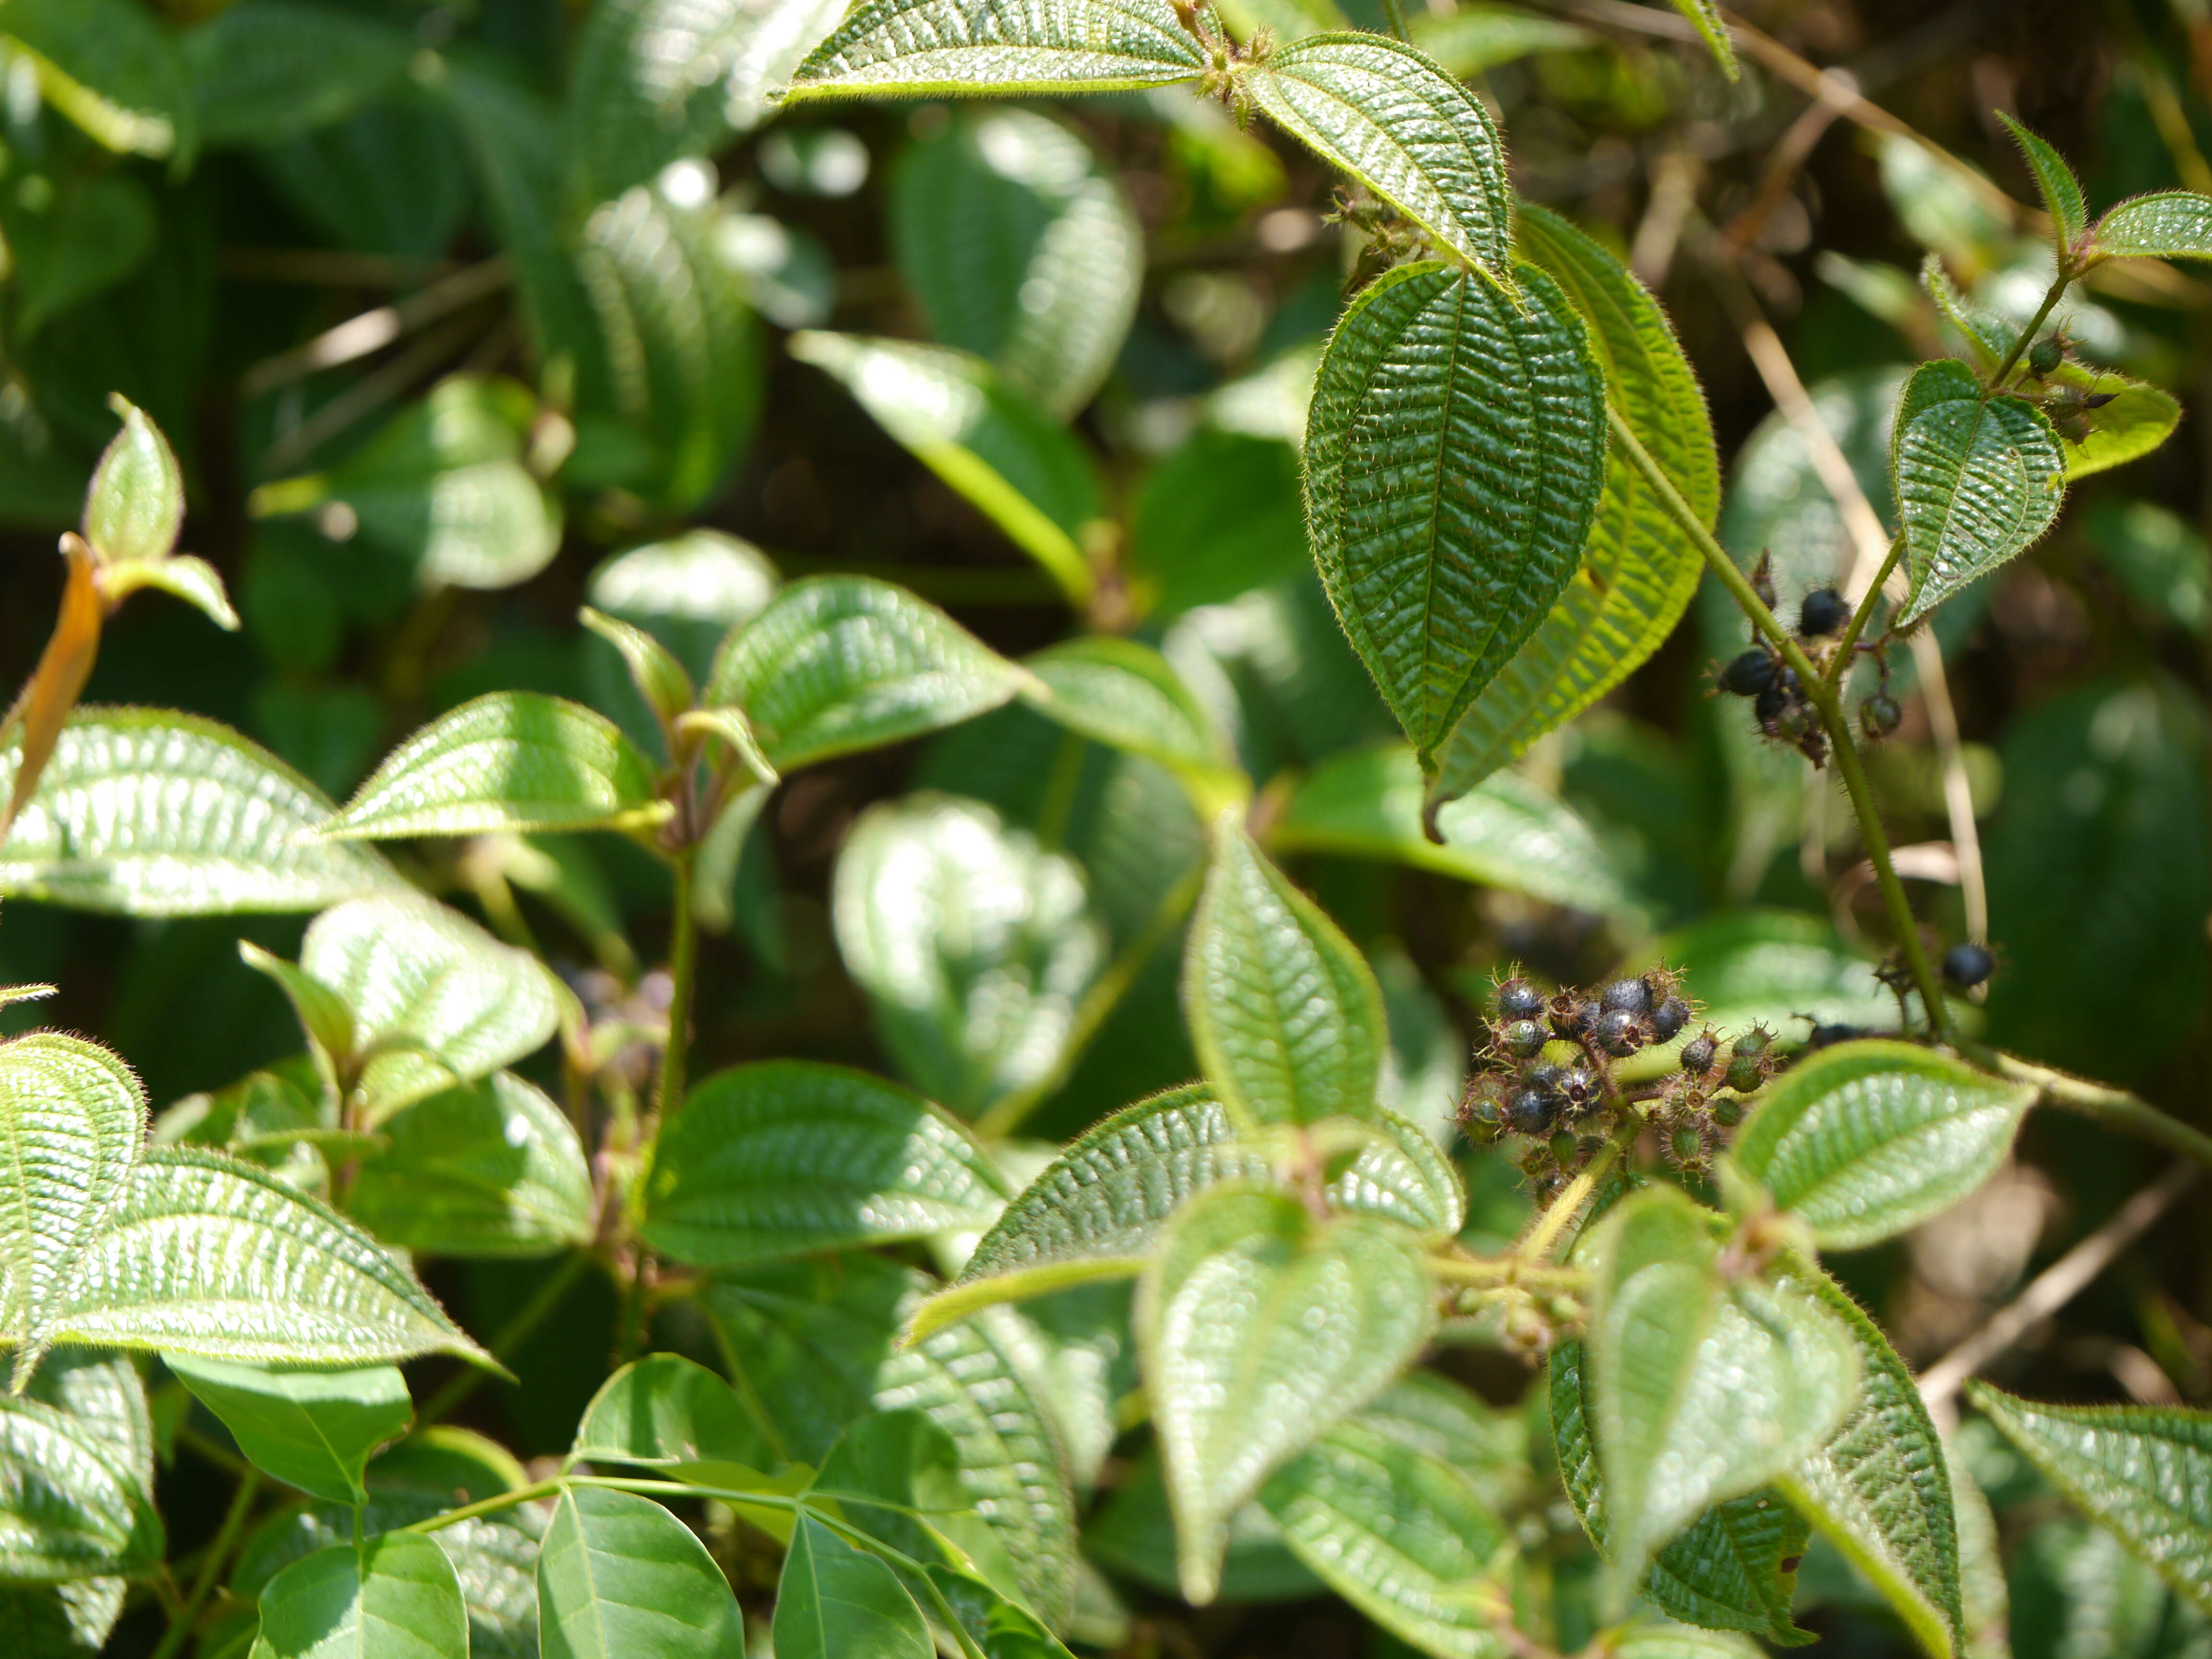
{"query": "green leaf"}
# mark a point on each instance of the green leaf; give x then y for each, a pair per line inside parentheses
(664, 1411)
(1284, 1010)
(1704, 1387)
(688, 591)
(660, 679)
(1021, 249)
(1396, 1169)
(437, 1001)
(512, 761)
(1259, 1329)
(1638, 570)
(1879, 1491)
(271, 70)
(70, 1620)
(322, 1013)
(1125, 694)
(1454, 457)
(834, 1601)
(914, 48)
(182, 576)
(146, 812)
(2143, 1472)
(1979, 479)
(72, 1118)
(1681, 1642)
(1400, 1534)
(110, 67)
(1382, 111)
(2061, 191)
(76, 1475)
(210, 1256)
(390, 1597)
(785, 1156)
(491, 1169)
(2137, 420)
(1030, 478)
(136, 502)
(312, 1430)
(94, 233)
(1218, 516)
(1865, 1140)
(1705, 17)
(836, 664)
(619, 1575)
(1002, 1628)
(2171, 224)
(974, 943)
(896, 1475)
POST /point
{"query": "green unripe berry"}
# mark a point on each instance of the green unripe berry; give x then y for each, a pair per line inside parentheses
(1744, 1073)
(1753, 1041)
(1563, 1147)
(2044, 356)
(1687, 1144)
(1728, 1111)
(1879, 715)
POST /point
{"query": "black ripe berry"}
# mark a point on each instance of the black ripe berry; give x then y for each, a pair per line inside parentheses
(1698, 1054)
(1629, 996)
(1523, 1039)
(1669, 1019)
(1879, 715)
(1769, 705)
(1532, 1111)
(1823, 612)
(1518, 999)
(1748, 675)
(1571, 1016)
(1617, 1033)
(1968, 965)
(1546, 1077)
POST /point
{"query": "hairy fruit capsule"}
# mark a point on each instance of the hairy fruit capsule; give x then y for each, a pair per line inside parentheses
(1879, 715)
(1629, 996)
(1518, 999)
(1822, 612)
(1728, 1111)
(1968, 965)
(2044, 356)
(1524, 1039)
(1748, 675)
(1618, 1033)
(1698, 1054)
(1532, 1111)
(1746, 1073)
(1571, 1016)
(1669, 1019)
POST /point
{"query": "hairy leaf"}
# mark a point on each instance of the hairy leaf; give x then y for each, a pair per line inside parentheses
(836, 1600)
(664, 1411)
(136, 502)
(2172, 224)
(785, 1156)
(315, 1429)
(1454, 461)
(275, 70)
(2055, 180)
(618, 1574)
(835, 664)
(913, 48)
(76, 1477)
(147, 812)
(1979, 479)
(1396, 1170)
(392, 1597)
(1382, 111)
(1705, 16)
(511, 761)
(1259, 1328)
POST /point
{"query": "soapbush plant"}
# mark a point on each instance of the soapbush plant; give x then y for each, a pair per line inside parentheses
(1185, 1243)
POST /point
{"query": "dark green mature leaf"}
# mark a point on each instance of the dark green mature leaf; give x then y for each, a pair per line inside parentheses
(619, 1575)
(2061, 191)
(1865, 1140)
(1382, 111)
(110, 67)
(392, 1597)
(975, 945)
(313, 1429)
(785, 1156)
(1259, 1328)
(1454, 460)
(1879, 1491)
(2143, 1472)
(1705, 16)
(1979, 479)
(1638, 570)
(512, 761)
(913, 48)
(92, 234)
(664, 1411)
(2172, 224)
(835, 664)
(1284, 1010)
(1002, 1628)
(1216, 517)
(69, 1620)
(266, 70)
(393, 178)
(896, 1475)
(835, 1600)
(77, 1478)
(152, 813)
(1021, 248)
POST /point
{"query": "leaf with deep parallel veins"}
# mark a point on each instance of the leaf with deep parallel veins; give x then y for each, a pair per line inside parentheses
(836, 664)
(315, 1429)
(916, 48)
(2143, 1472)
(835, 1601)
(1454, 456)
(1394, 1170)
(1259, 1328)
(618, 1575)
(76, 1475)
(389, 1597)
(786, 1156)
(511, 761)
(1704, 1387)
(1979, 479)
(664, 1411)
(1864, 1141)
(147, 812)
(1382, 111)
(1284, 1010)
(2171, 224)
(1638, 570)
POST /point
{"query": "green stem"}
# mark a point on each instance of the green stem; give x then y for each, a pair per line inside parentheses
(1494, 1273)
(2115, 1107)
(683, 973)
(1536, 1246)
(1396, 13)
(511, 1336)
(226, 1538)
(1860, 617)
(2003, 370)
(1825, 702)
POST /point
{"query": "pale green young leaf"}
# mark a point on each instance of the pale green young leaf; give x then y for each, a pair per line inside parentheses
(76, 1475)
(1638, 570)
(322, 1013)
(149, 812)
(269, 72)
(2055, 180)
(836, 664)
(489, 1168)
(1284, 1010)
(1864, 1141)
(1125, 694)
(136, 502)
(660, 679)
(730, 728)
(514, 761)
(72, 1119)
(2138, 419)
(1979, 479)
(618, 1575)
(182, 576)
(1983, 1597)
(975, 945)
(914, 48)
(664, 1411)
(1454, 460)
(1705, 17)
(2143, 1472)
(1030, 478)
(315, 1429)
(1704, 1388)
(1880, 1489)
(113, 68)
(2172, 224)
(1382, 111)
(436, 1000)
(389, 1597)
(785, 1156)
(837, 1601)
(1259, 1328)
(1681, 1642)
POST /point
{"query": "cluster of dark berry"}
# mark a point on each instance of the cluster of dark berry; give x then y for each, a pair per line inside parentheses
(1778, 700)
